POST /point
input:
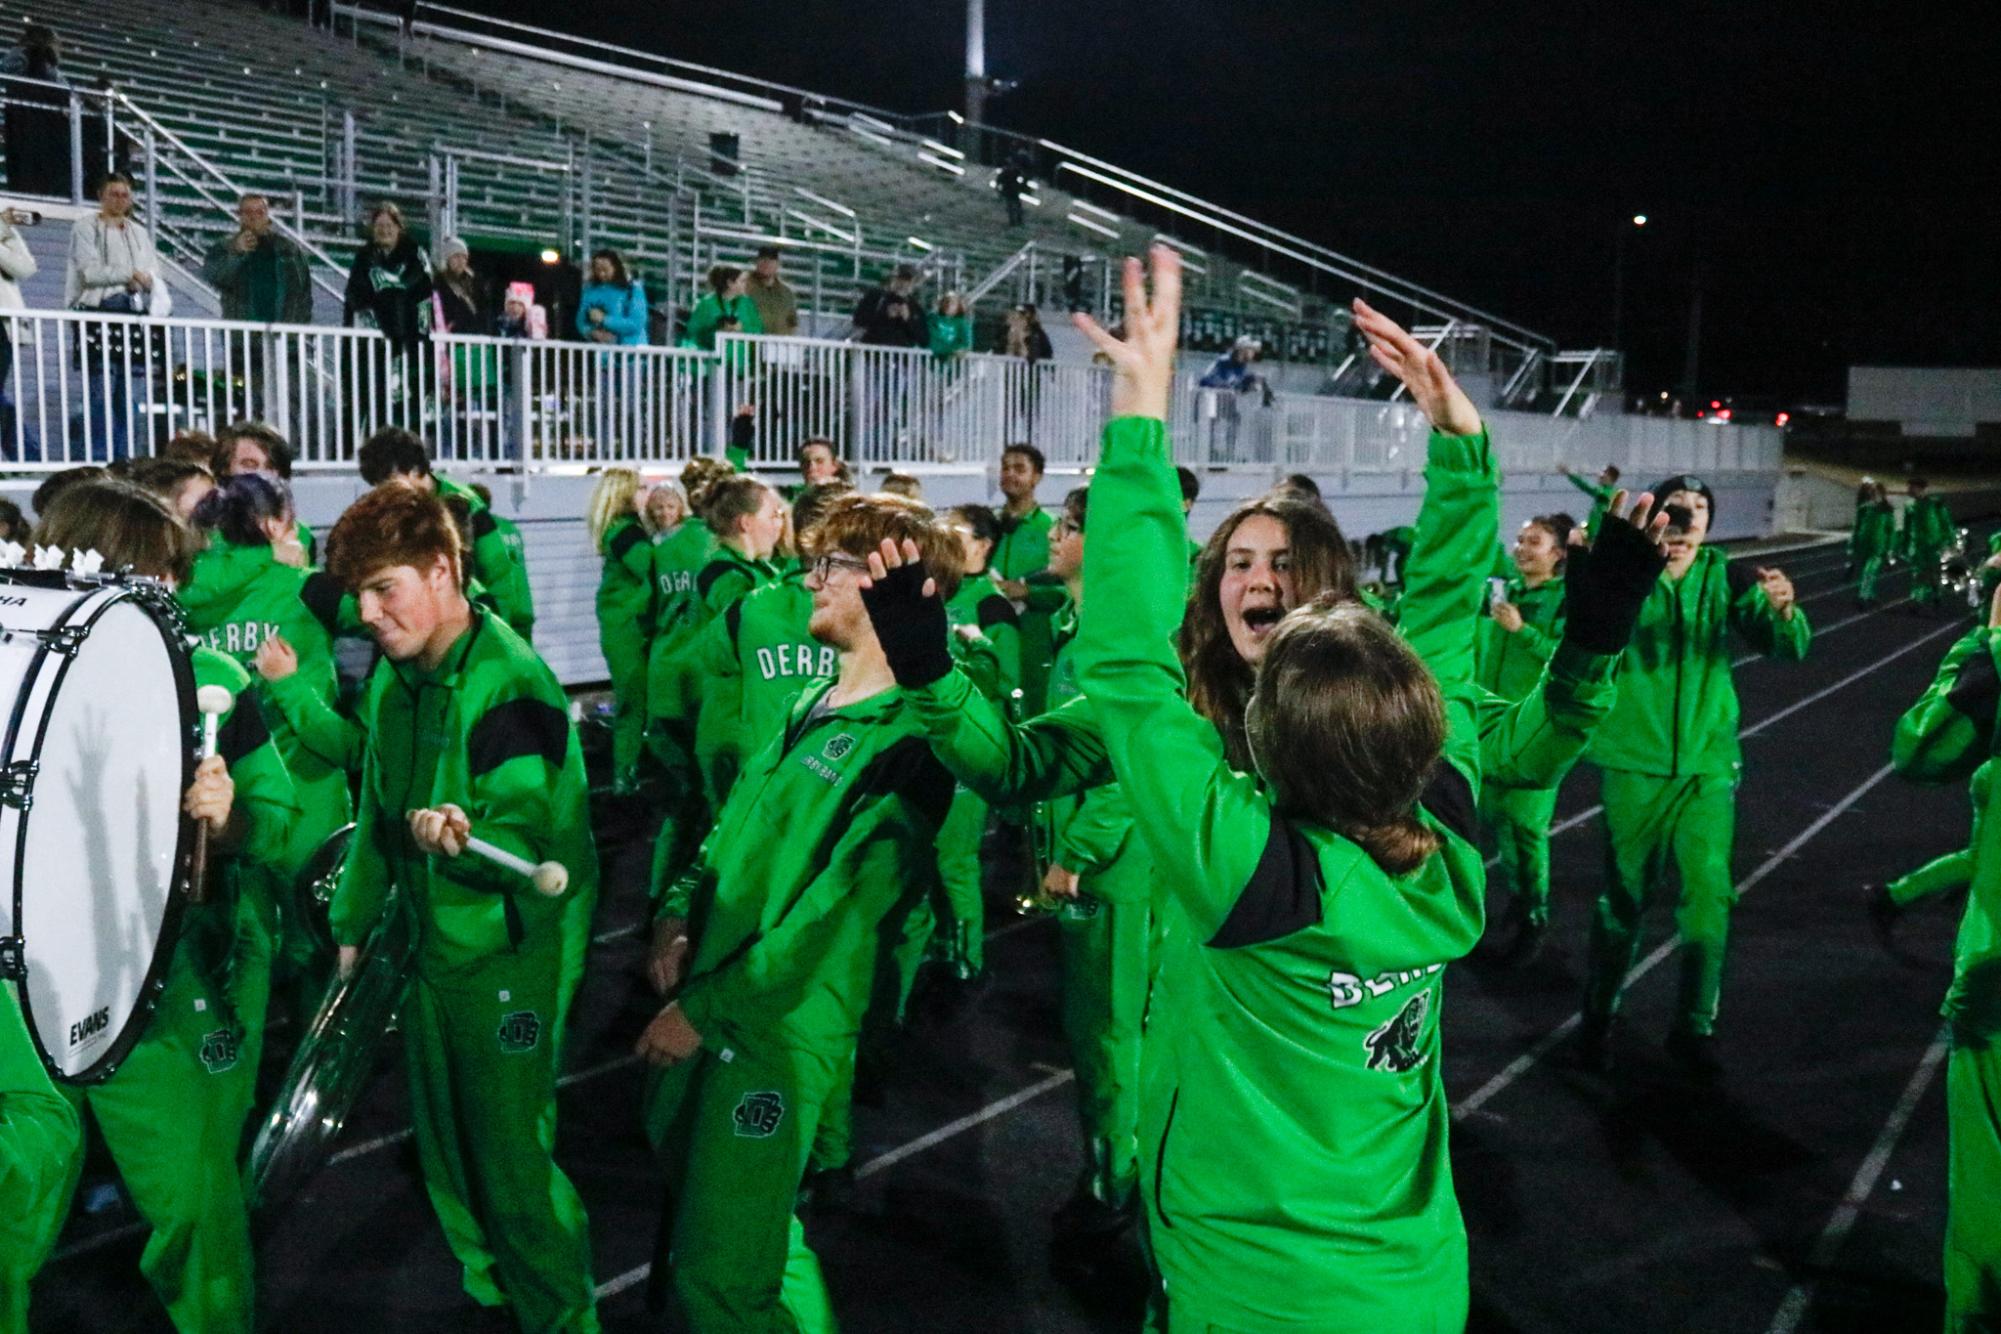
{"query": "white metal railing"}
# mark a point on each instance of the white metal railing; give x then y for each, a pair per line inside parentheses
(80, 387)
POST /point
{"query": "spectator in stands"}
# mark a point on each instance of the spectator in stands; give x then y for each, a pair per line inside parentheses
(889, 316)
(777, 305)
(951, 328)
(37, 125)
(612, 307)
(113, 270)
(520, 317)
(14, 526)
(819, 465)
(1026, 338)
(904, 484)
(261, 274)
(727, 299)
(16, 263)
(1233, 371)
(389, 284)
(1012, 182)
(455, 290)
(252, 446)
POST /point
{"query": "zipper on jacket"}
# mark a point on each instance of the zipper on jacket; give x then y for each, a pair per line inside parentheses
(1160, 1160)
(1674, 720)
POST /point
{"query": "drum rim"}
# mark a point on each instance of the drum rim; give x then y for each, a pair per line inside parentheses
(136, 1022)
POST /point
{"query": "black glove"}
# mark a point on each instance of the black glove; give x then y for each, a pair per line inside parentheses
(1605, 584)
(910, 626)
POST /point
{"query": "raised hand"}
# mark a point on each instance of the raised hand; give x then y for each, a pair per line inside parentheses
(1606, 583)
(1778, 591)
(1143, 361)
(1422, 371)
(276, 659)
(909, 617)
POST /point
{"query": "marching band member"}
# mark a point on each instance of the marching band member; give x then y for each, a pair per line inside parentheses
(469, 735)
(40, 1144)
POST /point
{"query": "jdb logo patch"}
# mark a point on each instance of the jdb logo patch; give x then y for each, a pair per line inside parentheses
(1393, 1047)
(219, 1050)
(837, 747)
(520, 1031)
(758, 1114)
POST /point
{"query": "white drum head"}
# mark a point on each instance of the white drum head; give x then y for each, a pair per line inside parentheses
(97, 855)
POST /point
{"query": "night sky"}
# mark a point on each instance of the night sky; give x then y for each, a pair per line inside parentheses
(1828, 173)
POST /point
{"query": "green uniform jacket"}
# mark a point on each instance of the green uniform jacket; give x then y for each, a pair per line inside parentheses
(488, 731)
(1087, 831)
(1928, 528)
(237, 598)
(40, 1138)
(1530, 743)
(494, 559)
(1601, 499)
(825, 844)
(1875, 531)
(1023, 548)
(625, 590)
(979, 604)
(709, 312)
(1677, 710)
(1944, 738)
(677, 559)
(1511, 665)
(1292, 1106)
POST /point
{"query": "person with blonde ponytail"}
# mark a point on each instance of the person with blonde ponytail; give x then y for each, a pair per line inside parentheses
(625, 612)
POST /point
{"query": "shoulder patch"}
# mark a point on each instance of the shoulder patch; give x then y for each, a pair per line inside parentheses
(1283, 895)
(909, 770)
(996, 610)
(322, 595)
(518, 727)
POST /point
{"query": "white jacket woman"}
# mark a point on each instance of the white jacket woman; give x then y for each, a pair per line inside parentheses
(16, 263)
(104, 254)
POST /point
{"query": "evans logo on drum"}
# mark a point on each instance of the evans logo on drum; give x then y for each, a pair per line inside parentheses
(89, 1027)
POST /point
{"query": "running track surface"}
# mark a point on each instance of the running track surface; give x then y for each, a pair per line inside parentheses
(1804, 1191)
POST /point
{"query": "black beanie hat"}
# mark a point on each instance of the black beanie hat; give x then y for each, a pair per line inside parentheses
(1686, 482)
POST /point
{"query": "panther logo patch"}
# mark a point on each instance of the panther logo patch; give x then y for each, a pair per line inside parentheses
(837, 747)
(219, 1050)
(1393, 1047)
(520, 1031)
(758, 1114)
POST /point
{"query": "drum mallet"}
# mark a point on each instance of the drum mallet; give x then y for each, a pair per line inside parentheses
(213, 702)
(549, 878)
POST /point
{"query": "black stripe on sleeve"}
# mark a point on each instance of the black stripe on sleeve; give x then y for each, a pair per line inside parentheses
(996, 610)
(322, 595)
(1282, 896)
(1740, 577)
(515, 728)
(243, 731)
(1977, 693)
(733, 618)
(909, 770)
(482, 523)
(627, 537)
(1449, 797)
(711, 572)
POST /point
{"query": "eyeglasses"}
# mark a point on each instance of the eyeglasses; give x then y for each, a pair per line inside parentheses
(823, 566)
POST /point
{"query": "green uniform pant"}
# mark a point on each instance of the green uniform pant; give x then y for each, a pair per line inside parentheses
(625, 658)
(959, 906)
(1973, 1222)
(1872, 571)
(1926, 579)
(1518, 818)
(732, 1129)
(1651, 822)
(1937, 876)
(172, 1117)
(685, 815)
(1103, 946)
(482, 1046)
(882, 1028)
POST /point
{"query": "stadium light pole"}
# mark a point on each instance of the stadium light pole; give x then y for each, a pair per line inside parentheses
(1635, 223)
(976, 62)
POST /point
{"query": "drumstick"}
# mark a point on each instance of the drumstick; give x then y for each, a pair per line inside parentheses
(550, 878)
(213, 702)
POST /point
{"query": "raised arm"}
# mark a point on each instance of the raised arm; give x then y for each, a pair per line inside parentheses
(1944, 736)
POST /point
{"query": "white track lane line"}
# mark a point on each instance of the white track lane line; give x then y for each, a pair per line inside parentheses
(1827, 1248)
(883, 1161)
(1549, 1042)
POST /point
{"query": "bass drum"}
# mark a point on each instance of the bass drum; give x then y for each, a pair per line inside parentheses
(334, 1062)
(100, 746)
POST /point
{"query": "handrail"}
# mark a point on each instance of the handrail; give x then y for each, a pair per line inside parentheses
(285, 229)
(1000, 273)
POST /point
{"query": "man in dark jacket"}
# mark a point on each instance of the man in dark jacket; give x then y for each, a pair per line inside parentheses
(889, 316)
(260, 274)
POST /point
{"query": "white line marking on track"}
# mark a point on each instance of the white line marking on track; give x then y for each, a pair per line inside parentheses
(1827, 1248)
(1527, 1061)
(884, 1161)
